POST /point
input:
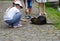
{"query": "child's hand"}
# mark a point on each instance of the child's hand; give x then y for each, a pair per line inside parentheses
(24, 20)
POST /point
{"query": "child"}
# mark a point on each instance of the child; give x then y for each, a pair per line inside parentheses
(41, 7)
(28, 8)
(13, 16)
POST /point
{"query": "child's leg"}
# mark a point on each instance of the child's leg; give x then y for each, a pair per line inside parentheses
(29, 9)
(9, 23)
(30, 6)
(43, 8)
(26, 7)
(16, 19)
(39, 10)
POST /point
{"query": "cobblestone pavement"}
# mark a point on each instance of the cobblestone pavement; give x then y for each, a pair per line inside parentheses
(28, 32)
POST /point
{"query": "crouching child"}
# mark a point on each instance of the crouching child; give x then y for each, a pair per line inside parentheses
(13, 16)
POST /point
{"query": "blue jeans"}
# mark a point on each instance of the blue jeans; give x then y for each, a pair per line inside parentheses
(29, 3)
(15, 21)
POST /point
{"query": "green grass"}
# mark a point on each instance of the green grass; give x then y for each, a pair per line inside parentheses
(54, 15)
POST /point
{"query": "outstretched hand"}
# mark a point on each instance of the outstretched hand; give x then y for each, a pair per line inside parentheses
(24, 20)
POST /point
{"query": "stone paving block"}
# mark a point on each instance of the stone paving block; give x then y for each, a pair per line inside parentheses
(57, 31)
(49, 37)
(55, 37)
(58, 34)
(56, 40)
(43, 39)
(49, 40)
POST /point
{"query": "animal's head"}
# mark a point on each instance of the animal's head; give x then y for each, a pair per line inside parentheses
(33, 20)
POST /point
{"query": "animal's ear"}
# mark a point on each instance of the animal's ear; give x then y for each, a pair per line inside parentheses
(39, 16)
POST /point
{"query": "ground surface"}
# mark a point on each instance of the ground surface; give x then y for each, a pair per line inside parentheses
(28, 32)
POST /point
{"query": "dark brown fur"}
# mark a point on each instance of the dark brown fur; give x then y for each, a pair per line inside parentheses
(39, 20)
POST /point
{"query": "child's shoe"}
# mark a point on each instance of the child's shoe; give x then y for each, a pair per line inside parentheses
(19, 25)
(29, 17)
(26, 17)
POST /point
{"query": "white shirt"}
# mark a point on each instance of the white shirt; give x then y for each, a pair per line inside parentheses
(41, 1)
(10, 13)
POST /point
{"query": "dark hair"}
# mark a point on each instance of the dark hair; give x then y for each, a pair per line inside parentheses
(19, 5)
(13, 4)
